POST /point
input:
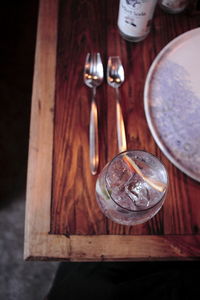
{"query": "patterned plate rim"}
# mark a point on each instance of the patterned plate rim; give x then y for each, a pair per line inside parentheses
(189, 34)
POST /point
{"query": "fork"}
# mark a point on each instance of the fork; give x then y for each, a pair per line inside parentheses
(93, 77)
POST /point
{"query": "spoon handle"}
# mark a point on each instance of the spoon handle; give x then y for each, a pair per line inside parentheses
(93, 134)
(121, 135)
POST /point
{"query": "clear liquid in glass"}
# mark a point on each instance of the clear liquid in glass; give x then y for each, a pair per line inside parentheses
(124, 196)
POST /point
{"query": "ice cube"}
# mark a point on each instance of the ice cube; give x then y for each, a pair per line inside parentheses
(118, 174)
(138, 192)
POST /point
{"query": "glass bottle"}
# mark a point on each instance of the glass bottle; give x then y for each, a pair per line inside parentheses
(134, 18)
(173, 6)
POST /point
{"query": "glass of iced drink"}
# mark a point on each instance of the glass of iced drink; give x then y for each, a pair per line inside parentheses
(132, 188)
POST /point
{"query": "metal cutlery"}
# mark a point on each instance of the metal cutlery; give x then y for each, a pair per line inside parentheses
(115, 77)
(93, 77)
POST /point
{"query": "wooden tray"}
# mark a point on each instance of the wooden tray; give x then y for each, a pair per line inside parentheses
(63, 220)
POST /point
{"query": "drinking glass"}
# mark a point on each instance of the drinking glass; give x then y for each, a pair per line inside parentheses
(132, 188)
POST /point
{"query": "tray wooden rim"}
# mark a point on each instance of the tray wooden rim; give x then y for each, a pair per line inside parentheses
(38, 243)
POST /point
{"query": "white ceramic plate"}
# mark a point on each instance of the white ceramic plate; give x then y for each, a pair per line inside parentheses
(172, 102)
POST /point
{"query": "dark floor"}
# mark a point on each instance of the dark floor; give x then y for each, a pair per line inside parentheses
(18, 279)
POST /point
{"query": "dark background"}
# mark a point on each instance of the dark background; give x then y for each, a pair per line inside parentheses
(17, 45)
(18, 279)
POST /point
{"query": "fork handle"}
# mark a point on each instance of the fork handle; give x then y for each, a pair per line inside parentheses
(93, 136)
(121, 135)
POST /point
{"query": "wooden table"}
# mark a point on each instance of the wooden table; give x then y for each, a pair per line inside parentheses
(63, 221)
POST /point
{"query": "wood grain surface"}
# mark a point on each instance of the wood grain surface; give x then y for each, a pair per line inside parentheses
(62, 220)
(88, 26)
(37, 241)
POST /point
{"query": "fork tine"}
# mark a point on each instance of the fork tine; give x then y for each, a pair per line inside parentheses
(87, 63)
(99, 64)
(93, 64)
(87, 60)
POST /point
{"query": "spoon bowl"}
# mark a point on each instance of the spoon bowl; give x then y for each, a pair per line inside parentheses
(115, 72)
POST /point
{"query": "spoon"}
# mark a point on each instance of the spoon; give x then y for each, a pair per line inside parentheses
(115, 77)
